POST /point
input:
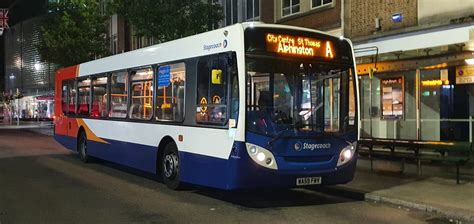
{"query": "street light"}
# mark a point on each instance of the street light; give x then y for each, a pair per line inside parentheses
(37, 66)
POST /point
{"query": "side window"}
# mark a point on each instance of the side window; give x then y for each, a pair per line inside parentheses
(234, 93)
(83, 103)
(64, 104)
(99, 97)
(170, 92)
(118, 94)
(72, 97)
(212, 90)
(142, 94)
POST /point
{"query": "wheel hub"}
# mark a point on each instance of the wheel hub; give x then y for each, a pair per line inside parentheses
(170, 165)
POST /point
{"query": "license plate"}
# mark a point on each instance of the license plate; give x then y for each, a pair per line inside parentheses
(308, 181)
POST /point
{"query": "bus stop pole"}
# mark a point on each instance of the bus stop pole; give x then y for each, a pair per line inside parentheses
(17, 112)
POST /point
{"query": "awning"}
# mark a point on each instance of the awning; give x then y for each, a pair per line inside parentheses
(440, 36)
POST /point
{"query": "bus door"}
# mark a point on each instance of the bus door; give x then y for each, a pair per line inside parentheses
(68, 107)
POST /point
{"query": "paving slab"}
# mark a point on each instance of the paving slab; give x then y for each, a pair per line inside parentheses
(433, 191)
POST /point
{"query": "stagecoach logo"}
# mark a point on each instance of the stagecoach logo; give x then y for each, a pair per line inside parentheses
(298, 146)
(311, 146)
(215, 46)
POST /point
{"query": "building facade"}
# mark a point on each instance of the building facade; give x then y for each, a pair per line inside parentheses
(25, 73)
(416, 68)
(324, 15)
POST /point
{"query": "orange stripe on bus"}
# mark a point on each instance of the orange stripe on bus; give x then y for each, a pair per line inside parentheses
(90, 135)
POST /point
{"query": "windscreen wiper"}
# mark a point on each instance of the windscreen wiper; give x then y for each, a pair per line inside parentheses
(280, 134)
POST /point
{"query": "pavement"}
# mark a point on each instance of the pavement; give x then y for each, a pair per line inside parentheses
(41, 127)
(434, 191)
(41, 182)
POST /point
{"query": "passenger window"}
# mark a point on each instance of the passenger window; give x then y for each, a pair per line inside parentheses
(84, 89)
(72, 94)
(142, 94)
(99, 97)
(118, 94)
(64, 104)
(212, 91)
(234, 94)
(170, 93)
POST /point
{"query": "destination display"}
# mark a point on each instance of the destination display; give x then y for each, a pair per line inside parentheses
(299, 46)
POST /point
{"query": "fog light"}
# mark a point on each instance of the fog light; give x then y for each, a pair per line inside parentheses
(260, 156)
(268, 161)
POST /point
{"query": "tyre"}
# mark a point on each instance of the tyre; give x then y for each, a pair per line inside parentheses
(170, 166)
(82, 147)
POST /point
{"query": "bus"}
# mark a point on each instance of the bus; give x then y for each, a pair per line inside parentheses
(247, 106)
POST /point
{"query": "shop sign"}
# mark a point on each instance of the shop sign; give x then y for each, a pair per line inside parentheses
(434, 82)
(392, 97)
(465, 74)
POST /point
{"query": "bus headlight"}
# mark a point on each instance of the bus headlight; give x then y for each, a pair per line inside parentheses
(261, 156)
(346, 154)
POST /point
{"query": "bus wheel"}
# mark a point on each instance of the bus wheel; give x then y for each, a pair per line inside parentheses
(170, 166)
(82, 147)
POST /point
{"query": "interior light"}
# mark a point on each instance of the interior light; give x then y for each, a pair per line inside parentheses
(470, 61)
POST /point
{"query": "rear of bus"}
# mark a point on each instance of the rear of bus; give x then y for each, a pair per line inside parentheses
(301, 109)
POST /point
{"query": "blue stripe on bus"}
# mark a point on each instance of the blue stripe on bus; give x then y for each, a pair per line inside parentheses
(237, 172)
(141, 157)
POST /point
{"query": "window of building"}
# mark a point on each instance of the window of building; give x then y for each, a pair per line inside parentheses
(99, 97)
(103, 7)
(64, 104)
(83, 103)
(319, 3)
(231, 12)
(212, 90)
(118, 94)
(290, 7)
(142, 94)
(170, 92)
(72, 86)
(253, 10)
(114, 44)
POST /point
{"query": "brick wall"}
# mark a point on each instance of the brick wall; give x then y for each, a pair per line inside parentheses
(319, 19)
(361, 14)
(267, 8)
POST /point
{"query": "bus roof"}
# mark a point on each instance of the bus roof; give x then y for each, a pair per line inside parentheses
(224, 39)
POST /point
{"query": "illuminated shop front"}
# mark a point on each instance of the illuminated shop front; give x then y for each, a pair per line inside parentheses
(428, 98)
(418, 85)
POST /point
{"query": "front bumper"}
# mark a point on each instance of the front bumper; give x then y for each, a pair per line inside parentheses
(249, 175)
